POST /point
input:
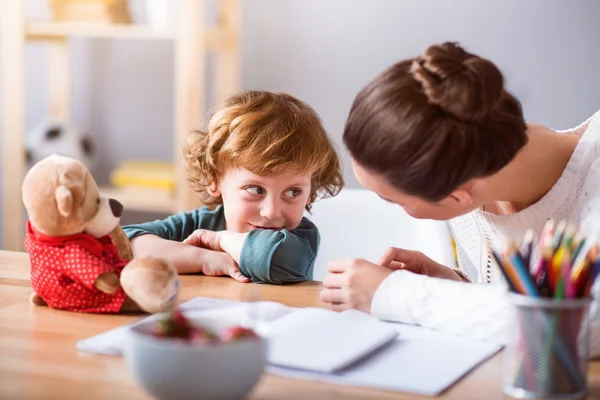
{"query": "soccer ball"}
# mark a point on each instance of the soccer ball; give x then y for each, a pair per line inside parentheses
(60, 137)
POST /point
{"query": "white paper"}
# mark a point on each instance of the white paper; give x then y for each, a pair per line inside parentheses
(417, 360)
(322, 340)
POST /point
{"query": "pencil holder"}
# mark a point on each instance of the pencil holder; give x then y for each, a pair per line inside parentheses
(547, 352)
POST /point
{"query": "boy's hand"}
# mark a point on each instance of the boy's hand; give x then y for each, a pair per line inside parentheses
(227, 241)
(216, 263)
(206, 239)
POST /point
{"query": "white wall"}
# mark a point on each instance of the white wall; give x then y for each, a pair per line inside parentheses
(357, 223)
(324, 51)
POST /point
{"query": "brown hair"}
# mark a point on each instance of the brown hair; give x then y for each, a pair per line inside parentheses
(432, 123)
(265, 133)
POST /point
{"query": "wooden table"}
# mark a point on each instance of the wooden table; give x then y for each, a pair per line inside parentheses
(38, 359)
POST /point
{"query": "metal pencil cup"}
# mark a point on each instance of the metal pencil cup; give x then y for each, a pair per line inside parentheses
(548, 348)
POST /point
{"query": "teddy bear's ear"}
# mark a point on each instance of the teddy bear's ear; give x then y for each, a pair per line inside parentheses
(64, 200)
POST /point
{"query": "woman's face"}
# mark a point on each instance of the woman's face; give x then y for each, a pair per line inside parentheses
(457, 203)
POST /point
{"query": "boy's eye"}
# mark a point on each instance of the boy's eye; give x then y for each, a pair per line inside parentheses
(292, 193)
(257, 190)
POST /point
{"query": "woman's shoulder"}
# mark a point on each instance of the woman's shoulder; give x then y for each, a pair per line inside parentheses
(582, 127)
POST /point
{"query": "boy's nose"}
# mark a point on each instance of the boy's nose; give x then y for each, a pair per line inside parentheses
(270, 210)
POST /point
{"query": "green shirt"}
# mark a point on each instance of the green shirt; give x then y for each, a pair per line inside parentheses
(267, 256)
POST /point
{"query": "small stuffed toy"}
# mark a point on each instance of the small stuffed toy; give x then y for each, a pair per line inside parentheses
(57, 136)
(74, 264)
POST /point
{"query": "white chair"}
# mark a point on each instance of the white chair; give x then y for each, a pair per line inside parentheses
(359, 224)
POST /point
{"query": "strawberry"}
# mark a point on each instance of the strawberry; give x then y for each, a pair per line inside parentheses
(178, 319)
(158, 331)
(202, 336)
(174, 324)
(235, 333)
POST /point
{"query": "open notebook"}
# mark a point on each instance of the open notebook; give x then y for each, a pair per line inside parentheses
(348, 348)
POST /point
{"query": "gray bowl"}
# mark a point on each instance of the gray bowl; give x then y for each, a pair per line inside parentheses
(169, 369)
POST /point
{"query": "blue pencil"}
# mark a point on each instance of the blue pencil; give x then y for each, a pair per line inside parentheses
(522, 271)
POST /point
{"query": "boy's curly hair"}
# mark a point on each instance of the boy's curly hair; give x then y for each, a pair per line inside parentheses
(265, 133)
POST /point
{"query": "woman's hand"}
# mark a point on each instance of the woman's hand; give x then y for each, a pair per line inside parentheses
(352, 283)
(417, 262)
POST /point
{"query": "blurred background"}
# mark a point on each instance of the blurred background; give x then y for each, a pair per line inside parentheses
(321, 51)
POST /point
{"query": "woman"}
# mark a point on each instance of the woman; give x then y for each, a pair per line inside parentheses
(440, 136)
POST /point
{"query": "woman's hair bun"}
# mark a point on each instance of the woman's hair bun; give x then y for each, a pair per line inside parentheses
(463, 85)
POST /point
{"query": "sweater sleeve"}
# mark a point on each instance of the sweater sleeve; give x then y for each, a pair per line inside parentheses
(466, 309)
(470, 310)
(179, 226)
(280, 257)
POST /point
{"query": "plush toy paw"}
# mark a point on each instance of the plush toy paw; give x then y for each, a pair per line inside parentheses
(152, 283)
(108, 283)
(121, 241)
(36, 300)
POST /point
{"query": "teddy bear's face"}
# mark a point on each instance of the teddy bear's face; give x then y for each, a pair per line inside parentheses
(62, 198)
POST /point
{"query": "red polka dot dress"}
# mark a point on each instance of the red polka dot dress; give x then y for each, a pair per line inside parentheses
(64, 269)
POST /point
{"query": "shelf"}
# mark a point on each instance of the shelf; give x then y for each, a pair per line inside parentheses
(140, 199)
(50, 30)
(192, 39)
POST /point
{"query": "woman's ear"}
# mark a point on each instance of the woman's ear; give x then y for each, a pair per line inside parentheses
(462, 196)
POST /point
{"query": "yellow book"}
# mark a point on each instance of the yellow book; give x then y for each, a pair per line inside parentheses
(147, 174)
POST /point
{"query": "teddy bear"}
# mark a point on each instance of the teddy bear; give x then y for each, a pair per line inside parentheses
(74, 263)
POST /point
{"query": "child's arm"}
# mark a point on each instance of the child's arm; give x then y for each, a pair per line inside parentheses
(179, 226)
(280, 256)
(162, 238)
(187, 259)
(267, 256)
(228, 241)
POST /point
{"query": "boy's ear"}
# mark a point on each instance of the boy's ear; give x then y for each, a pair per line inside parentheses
(214, 190)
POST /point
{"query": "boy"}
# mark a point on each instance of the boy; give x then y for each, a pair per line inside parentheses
(264, 160)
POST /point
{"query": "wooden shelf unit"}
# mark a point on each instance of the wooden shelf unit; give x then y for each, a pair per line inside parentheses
(142, 199)
(192, 39)
(44, 30)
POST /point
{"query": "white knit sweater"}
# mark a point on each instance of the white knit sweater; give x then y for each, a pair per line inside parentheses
(479, 309)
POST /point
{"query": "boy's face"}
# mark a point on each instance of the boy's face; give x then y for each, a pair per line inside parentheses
(263, 202)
